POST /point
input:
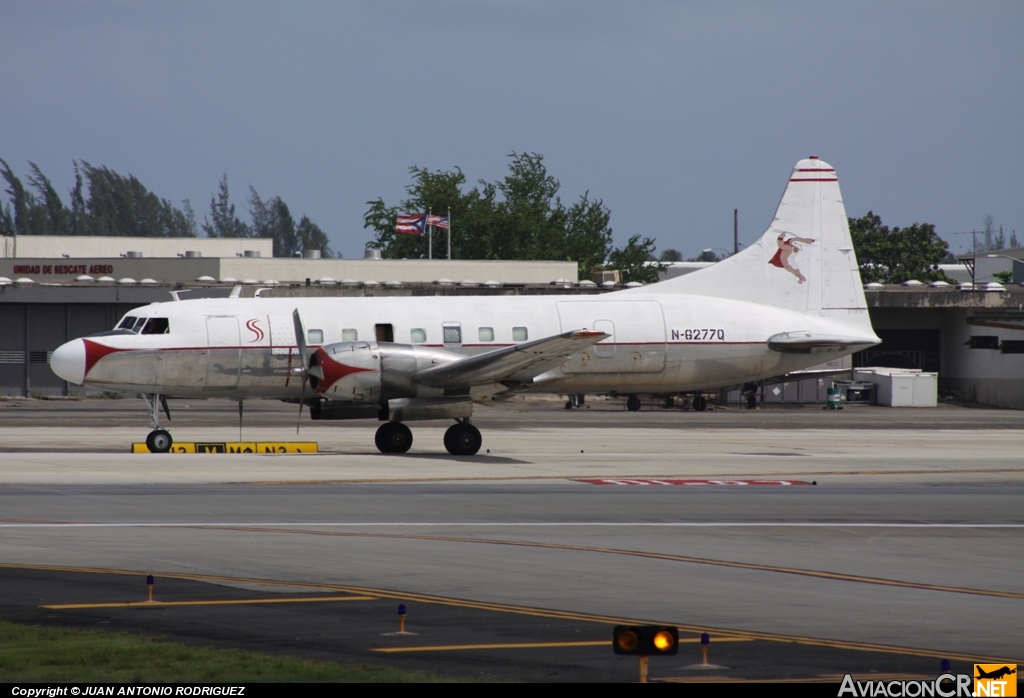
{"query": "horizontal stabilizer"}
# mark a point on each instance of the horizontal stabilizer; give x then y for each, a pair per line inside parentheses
(810, 342)
(518, 363)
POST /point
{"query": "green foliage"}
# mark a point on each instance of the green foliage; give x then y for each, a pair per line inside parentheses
(519, 217)
(670, 255)
(104, 202)
(1004, 277)
(34, 654)
(224, 223)
(634, 261)
(898, 254)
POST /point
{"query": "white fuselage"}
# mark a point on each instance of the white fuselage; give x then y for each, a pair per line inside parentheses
(245, 348)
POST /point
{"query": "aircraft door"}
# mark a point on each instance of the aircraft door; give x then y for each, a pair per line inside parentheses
(223, 358)
(637, 341)
(605, 349)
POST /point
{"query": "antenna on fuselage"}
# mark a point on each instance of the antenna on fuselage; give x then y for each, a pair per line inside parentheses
(236, 292)
(175, 296)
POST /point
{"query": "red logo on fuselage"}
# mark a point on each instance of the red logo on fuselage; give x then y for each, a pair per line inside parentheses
(255, 329)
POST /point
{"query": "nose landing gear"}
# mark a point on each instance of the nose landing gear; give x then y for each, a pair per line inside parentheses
(159, 440)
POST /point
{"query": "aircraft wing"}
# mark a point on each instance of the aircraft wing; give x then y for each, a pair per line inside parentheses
(517, 363)
(808, 342)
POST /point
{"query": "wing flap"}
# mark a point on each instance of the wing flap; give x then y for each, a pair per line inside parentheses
(517, 363)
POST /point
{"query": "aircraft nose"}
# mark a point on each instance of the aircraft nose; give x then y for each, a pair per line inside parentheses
(68, 361)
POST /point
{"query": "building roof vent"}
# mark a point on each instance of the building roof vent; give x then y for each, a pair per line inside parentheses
(193, 253)
(311, 254)
(251, 253)
(370, 253)
(133, 254)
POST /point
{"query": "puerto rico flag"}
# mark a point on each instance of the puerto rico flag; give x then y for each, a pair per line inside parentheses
(410, 225)
(438, 221)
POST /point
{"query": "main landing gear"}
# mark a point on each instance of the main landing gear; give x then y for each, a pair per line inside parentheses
(159, 440)
(461, 439)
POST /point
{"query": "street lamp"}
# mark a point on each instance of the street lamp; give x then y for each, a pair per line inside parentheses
(1013, 266)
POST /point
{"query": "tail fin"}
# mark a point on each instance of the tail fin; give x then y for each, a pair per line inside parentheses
(803, 262)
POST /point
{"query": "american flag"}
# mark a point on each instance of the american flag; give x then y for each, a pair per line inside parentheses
(438, 221)
(410, 225)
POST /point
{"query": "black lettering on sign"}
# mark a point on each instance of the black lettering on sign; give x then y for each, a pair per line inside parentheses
(211, 448)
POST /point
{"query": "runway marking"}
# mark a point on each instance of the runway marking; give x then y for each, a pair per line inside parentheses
(697, 483)
(218, 602)
(759, 475)
(820, 574)
(406, 597)
(536, 645)
(505, 524)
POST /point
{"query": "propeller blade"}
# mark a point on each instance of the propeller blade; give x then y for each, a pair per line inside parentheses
(302, 399)
(300, 335)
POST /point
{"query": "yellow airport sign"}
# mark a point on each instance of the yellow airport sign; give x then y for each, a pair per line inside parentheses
(235, 447)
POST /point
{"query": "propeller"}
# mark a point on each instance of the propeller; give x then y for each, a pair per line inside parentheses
(307, 371)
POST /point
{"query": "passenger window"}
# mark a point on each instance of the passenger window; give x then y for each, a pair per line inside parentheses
(452, 333)
(519, 334)
(126, 323)
(315, 337)
(486, 334)
(156, 325)
(349, 335)
(418, 335)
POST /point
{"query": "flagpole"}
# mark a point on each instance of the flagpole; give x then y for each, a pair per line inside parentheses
(449, 235)
(430, 236)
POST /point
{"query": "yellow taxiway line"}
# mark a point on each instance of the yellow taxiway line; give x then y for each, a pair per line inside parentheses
(820, 574)
(534, 645)
(213, 602)
(407, 597)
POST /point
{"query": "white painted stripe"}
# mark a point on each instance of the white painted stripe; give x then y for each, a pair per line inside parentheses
(509, 524)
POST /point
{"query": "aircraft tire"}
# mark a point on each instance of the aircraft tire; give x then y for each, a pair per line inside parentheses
(633, 403)
(463, 440)
(393, 437)
(159, 441)
(700, 403)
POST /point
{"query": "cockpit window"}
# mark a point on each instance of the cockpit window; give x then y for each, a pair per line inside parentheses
(127, 322)
(138, 325)
(156, 325)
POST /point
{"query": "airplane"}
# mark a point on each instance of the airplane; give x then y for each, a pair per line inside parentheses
(995, 673)
(789, 301)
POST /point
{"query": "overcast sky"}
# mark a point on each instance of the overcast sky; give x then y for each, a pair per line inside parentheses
(672, 112)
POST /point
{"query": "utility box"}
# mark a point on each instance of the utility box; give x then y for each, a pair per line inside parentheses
(901, 387)
(856, 391)
(601, 277)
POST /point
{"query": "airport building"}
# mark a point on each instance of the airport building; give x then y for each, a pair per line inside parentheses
(970, 335)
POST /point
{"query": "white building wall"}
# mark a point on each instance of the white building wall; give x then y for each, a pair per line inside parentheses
(986, 376)
(79, 246)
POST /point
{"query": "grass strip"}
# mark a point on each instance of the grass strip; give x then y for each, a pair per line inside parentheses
(44, 654)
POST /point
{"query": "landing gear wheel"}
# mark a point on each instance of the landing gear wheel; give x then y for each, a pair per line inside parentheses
(462, 439)
(159, 441)
(393, 437)
(633, 403)
(700, 403)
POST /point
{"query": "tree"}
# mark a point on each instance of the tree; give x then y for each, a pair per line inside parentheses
(311, 237)
(898, 254)
(670, 255)
(634, 261)
(225, 223)
(518, 217)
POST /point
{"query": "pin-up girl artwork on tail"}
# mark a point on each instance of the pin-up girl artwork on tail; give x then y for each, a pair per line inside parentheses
(787, 249)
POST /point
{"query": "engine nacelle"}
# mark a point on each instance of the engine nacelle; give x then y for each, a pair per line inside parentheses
(375, 372)
(351, 371)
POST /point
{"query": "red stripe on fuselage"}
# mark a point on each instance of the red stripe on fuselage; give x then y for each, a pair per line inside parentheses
(94, 351)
